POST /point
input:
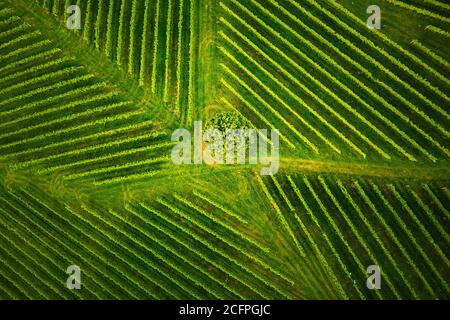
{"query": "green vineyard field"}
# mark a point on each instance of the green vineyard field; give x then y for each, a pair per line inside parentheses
(86, 177)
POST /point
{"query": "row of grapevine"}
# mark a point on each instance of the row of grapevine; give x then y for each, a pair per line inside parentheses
(432, 57)
(396, 64)
(399, 58)
(348, 91)
(58, 117)
(279, 67)
(173, 244)
(428, 8)
(340, 125)
(222, 246)
(153, 41)
(195, 247)
(272, 234)
(128, 256)
(371, 222)
(55, 246)
(360, 99)
(142, 250)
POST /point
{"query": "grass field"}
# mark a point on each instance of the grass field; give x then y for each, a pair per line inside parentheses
(86, 178)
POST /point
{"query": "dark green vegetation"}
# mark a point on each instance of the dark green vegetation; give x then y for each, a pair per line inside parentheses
(86, 178)
(227, 121)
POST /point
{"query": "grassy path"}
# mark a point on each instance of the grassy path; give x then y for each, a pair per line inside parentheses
(401, 169)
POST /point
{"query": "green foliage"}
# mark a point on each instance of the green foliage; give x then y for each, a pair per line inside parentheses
(227, 121)
(85, 171)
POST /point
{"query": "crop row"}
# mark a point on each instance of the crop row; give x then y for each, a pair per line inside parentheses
(156, 42)
(63, 119)
(402, 229)
(365, 128)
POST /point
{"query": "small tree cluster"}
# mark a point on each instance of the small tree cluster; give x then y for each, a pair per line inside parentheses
(229, 120)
